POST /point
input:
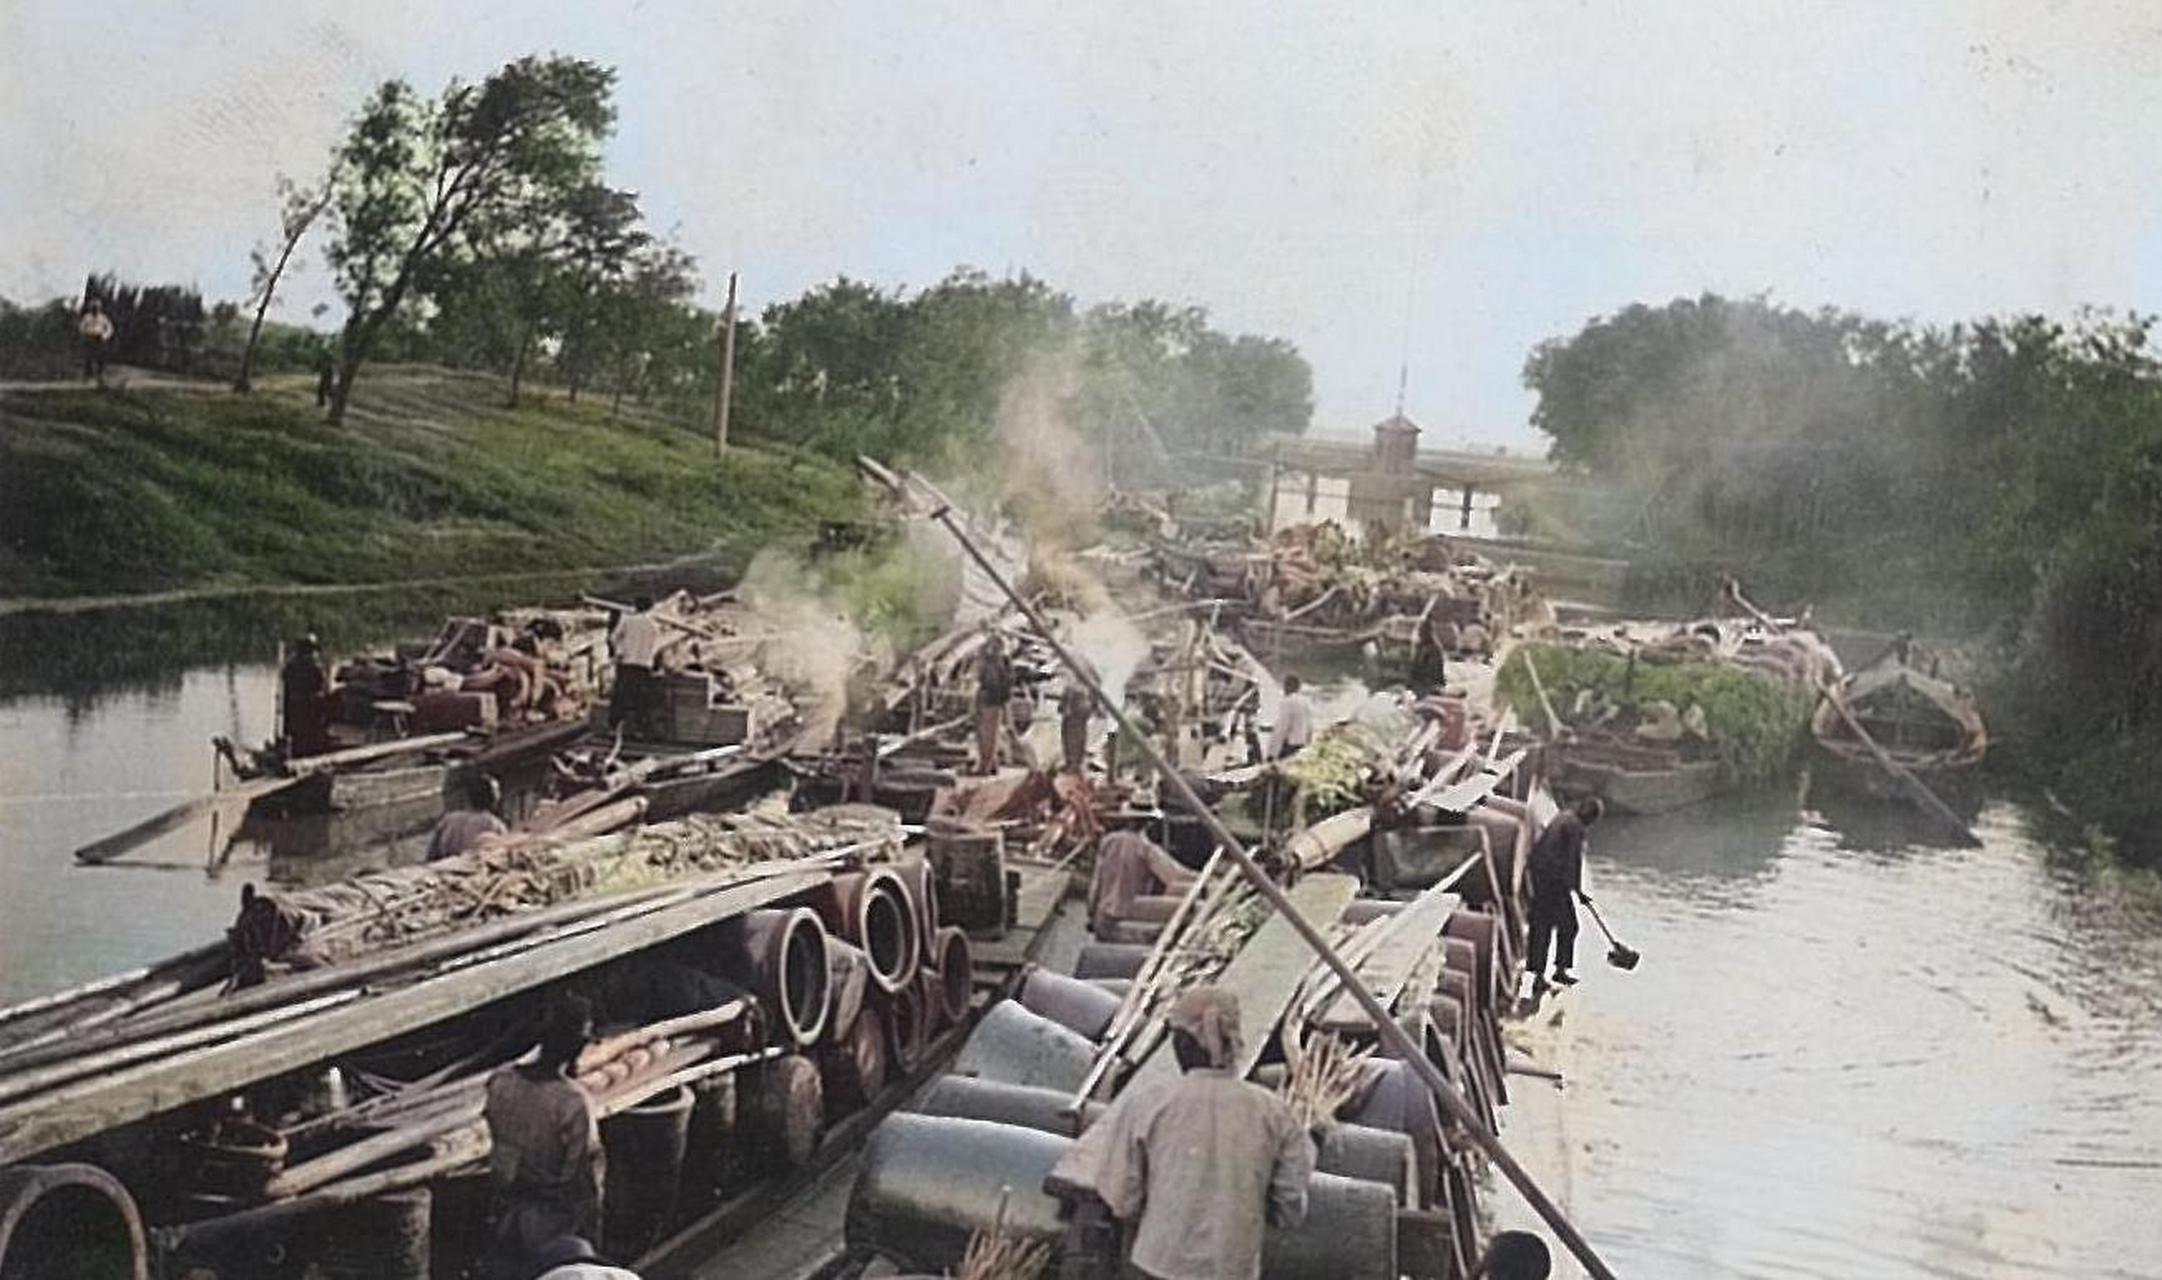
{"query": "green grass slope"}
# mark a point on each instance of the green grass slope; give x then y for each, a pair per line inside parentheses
(136, 490)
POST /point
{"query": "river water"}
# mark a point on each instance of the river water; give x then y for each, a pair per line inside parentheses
(78, 767)
(1853, 1057)
(1847, 1052)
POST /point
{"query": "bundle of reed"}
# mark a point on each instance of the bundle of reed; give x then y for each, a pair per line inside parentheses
(383, 908)
(1325, 1077)
(994, 1255)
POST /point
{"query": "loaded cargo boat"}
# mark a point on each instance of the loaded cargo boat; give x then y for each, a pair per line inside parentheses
(303, 1098)
(1654, 717)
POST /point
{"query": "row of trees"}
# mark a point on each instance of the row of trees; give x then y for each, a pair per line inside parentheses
(474, 229)
(2002, 477)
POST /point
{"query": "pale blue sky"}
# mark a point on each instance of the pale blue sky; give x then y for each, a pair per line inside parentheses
(1513, 166)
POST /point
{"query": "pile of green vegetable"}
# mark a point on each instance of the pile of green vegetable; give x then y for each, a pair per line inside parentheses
(1754, 723)
(1330, 775)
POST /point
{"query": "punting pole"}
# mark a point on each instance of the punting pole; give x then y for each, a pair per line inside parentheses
(1400, 1043)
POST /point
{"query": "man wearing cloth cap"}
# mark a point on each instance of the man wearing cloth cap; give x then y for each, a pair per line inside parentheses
(1199, 1167)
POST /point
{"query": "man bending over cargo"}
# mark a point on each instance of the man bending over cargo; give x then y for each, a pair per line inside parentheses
(1557, 884)
(545, 1159)
(1199, 1167)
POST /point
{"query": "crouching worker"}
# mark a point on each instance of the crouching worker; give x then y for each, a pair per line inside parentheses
(1194, 1170)
(474, 821)
(1514, 1255)
(545, 1160)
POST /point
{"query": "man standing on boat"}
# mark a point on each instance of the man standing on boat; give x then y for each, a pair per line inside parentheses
(1294, 727)
(305, 693)
(545, 1160)
(1557, 885)
(994, 688)
(637, 642)
(1197, 1168)
(1075, 705)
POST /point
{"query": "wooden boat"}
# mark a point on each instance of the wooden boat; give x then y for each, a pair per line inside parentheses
(1633, 777)
(1927, 725)
(167, 1120)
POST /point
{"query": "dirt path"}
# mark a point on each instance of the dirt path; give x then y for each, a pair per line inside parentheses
(238, 591)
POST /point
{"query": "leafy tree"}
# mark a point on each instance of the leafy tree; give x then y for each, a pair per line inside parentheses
(298, 209)
(602, 241)
(419, 180)
(652, 337)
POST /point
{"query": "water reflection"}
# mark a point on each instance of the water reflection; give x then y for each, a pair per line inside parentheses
(75, 768)
(1887, 1061)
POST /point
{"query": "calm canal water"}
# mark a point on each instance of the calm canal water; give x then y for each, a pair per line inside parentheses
(1853, 1057)
(1848, 1053)
(74, 769)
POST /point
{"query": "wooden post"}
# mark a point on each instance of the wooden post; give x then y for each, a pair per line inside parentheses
(724, 390)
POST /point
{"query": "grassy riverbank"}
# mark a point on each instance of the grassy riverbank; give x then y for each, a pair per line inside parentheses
(430, 478)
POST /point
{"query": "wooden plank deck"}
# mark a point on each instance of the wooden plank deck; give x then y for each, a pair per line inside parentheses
(82, 1109)
(1267, 972)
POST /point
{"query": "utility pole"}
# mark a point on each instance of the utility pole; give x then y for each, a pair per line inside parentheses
(724, 387)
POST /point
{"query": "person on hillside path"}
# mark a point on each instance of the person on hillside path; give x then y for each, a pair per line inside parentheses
(1514, 1255)
(1557, 885)
(994, 688)
(95, 328)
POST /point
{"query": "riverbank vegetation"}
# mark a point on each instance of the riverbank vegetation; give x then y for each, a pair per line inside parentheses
(430, 477)
(1999, 481)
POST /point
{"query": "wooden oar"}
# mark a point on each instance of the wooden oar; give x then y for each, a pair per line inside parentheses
(182, 815)
(246, 793)
(1915, 787)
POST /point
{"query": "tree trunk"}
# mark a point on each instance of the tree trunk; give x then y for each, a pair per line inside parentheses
(517, 364)
(341, 387)
(262, 308)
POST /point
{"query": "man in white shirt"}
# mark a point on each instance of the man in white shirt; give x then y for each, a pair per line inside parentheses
(1294, 727)
(95, 328)
(637, 642)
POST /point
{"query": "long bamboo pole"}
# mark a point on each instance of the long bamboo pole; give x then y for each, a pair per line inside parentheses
(1400, 1044)
(1828, 690)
